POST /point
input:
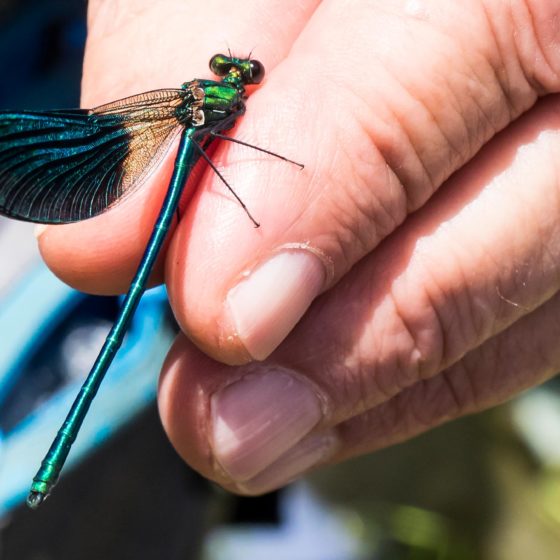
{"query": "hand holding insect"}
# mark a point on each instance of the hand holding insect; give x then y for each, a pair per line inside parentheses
(432, 296)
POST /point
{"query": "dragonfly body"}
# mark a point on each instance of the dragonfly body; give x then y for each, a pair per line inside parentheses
(64, 166)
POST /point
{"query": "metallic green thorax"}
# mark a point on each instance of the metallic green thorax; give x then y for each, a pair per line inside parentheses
(219, 99)
(201, 107)
(210, 102)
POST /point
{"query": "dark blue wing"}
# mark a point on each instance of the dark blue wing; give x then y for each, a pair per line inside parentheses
(65, 166)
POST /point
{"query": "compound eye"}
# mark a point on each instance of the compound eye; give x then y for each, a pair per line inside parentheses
(256, 72)
(220, 64)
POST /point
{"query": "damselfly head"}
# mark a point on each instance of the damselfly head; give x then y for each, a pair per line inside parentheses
(251, 71)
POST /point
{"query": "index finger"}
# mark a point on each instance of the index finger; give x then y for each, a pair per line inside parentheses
(138, 46)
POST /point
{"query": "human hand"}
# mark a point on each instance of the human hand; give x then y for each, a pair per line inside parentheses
(421, 297)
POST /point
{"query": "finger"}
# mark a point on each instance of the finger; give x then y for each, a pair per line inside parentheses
(481, 255)
(138, 46)
(485, 377)
(379, 125)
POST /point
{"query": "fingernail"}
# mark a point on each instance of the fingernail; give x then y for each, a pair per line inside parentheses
(267, 305)
(39, 230)
(258, 418)
(309, 452)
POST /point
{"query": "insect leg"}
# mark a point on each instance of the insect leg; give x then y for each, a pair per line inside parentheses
(204, 155)
(221, 136)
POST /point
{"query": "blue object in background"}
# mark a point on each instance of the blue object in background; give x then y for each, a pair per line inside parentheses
(49, 333)
(45, 346)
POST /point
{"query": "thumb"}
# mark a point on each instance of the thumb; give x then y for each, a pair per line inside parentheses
(376, 146)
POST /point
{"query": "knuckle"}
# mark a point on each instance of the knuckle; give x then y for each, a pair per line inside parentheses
(523, 53)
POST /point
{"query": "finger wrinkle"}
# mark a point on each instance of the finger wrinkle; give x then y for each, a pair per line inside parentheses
(388, 135)
(466, 310)
(483, 369)
(437, 398)
(501, 79)
(421, 353)
(511, 71)
(406, 162)
(486, 124)
(371, 215)
(409, 418)
(446, 319)
(484, 377)
(455, 148)
(524, 14)
(374, 215)
(380, 212)
(108, 17)
(459, 392)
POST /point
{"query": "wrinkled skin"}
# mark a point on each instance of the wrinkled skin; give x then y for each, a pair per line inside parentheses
(420, 246)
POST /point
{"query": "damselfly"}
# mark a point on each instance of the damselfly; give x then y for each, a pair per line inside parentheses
(68, 165)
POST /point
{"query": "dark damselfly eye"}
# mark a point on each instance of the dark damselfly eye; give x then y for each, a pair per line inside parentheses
(256, 72)
(220, 64)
